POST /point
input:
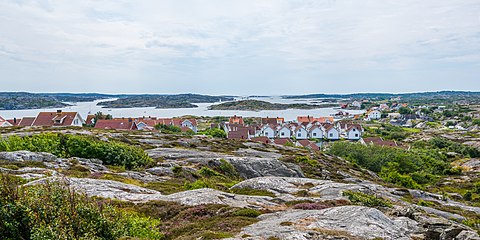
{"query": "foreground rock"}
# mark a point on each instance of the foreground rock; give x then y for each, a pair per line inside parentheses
(344, 221)
(127, 192)
(250, 163)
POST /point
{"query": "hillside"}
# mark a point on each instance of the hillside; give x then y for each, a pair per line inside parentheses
(195, 187)
(257, 105)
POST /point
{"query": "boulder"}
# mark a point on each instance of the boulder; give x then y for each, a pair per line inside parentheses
(21, 156)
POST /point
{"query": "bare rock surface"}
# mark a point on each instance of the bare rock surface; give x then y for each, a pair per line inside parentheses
(246, 166)
(127, 192)
(347, 221)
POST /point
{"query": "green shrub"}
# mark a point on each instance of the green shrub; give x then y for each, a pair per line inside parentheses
(215, 132)
(208, 172)
(246, 212)
(306, 160)
(197, 185)
(62, 145)
(366, 200)
(54, 211)
(169, 129)
(395, 165)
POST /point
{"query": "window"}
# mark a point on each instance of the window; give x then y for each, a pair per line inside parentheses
(314, 134)
(283, 134)
(299, 134)
(331, 134)
(356, 135)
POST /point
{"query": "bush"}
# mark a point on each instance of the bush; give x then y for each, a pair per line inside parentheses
(246, 212)
(395, 165)
(169, 129)
(215, 132)
(54, 211)
(366, 200)
(306, 160)
(62, 145)
(207, 172)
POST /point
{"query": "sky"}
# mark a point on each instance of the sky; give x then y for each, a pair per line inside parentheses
(243, 47)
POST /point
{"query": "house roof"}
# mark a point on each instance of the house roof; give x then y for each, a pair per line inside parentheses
(261, 139)
(352, 126)
(282, 141)
(236, 120)
(380, 142)
(240, 133)
(14, 122)
(273, 121)
(26, 121)
(302, 119)
(89, 119)
(51, 118)
(118, 124)
(308, 144)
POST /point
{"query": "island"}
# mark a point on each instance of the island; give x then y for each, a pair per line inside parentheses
(257, 105)
(162, 101)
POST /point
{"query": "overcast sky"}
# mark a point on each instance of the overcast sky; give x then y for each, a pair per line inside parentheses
(244, 47)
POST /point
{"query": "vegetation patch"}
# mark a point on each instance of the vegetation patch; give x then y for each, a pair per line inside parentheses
(54, 211)
(366, 200)
(63, 145)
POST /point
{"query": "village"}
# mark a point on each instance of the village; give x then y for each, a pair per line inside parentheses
(305, 131)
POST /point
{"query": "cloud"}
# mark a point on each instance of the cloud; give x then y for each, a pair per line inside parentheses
(203, 44)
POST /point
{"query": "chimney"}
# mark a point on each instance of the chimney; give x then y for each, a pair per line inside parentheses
(14, 120)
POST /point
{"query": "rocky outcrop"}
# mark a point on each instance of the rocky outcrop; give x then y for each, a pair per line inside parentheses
(345, 221)
(247, 167)
(21, 156)
(260, 167)
(127, 192)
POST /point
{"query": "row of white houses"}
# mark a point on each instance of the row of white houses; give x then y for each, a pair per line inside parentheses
(312, 131)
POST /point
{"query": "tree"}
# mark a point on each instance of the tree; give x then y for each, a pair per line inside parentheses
(405, 110)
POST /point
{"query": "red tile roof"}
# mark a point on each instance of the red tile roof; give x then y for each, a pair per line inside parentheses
(265, 140)
(236, 120)
(54, 118)
(240, 133)
(282, 141)
(26, 121)
(380, 142)
(118, 124)
(308, 144)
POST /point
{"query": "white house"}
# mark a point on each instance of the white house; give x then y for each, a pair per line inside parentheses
(190, 124)
(373, 115)
(301, 132)
(357, 104)
(4, 123)
(331, 133)
(353, 133)
(284, 132)
(315, 132)
(268, 131)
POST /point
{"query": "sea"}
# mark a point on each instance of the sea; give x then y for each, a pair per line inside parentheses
(85, 108)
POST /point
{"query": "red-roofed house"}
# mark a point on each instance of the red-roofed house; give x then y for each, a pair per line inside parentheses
(308, 144)
(273, 121)
(380, 142)
(236, 120)
(282, 141)
(265, 140)
(5, 123)
(58, 118)
(117, 124)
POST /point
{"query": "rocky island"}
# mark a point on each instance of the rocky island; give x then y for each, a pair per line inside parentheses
(257, 105)
(162, 101)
